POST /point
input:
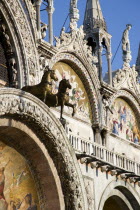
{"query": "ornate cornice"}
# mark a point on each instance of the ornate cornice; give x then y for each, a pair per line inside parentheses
(46, 49)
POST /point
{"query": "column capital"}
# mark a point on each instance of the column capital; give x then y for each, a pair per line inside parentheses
(50, 9)
(109, 55)
(38, 2)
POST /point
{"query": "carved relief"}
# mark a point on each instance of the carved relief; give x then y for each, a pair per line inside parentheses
(90, 193)
(41, 118)
(9, 54)
(127, 78)
(26, 35)
(74, 41)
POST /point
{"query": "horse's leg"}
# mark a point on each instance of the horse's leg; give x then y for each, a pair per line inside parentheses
(62, 108)
(72, 106)
(44, 96)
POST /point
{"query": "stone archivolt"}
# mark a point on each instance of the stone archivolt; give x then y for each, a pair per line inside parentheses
(26, 38)
(130, 98)
(85, 76)
(34, 114)
(75, 42)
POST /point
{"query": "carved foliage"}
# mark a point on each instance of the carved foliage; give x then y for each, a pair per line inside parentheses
(74, 41)
(127, 78)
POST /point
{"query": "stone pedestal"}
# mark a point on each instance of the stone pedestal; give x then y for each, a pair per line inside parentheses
(126, 58)
(63, 122)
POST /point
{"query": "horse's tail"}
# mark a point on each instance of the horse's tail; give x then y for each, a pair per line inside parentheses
(26, 88)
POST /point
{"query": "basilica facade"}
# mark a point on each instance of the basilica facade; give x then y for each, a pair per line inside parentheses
(69, 138)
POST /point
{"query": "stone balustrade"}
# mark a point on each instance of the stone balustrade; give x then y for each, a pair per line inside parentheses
(102, 154)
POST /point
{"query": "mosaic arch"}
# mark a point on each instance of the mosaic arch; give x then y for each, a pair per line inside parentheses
(17, 188)
(123, 121)
(77, 94)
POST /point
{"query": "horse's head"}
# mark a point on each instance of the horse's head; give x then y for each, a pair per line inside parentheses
(65, 83)
(53, 75)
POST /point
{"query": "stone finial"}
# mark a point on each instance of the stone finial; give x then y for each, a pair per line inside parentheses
(126, 46)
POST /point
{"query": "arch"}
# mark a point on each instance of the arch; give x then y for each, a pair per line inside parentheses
(4, 80)
(18, 136)
(86, 78)
(23, 41)
(116, 203)
(27, 109)
(124, 191)
(130, 99)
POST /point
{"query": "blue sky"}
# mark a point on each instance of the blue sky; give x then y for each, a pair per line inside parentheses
(117, 14)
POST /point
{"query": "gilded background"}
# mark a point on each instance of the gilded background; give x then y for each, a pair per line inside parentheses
(17, 189)
(123, 121)
(77, 94)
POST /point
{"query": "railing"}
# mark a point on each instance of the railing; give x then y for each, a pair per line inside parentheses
(101, 153)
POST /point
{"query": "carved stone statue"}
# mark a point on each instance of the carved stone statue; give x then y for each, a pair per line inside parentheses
(5, 38)
(13, 72)
(126, 46)
(74, 14)
(125, 39)
(74, 3)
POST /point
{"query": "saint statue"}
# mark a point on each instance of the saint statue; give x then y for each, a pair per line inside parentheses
(74, 12)
(126, 47)
(125, 39)
(74, 3)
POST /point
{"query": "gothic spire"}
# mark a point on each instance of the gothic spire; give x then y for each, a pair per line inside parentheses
(97, 36)
(93, 16)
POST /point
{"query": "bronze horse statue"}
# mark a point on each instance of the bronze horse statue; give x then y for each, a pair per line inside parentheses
(44, 88)
(61, 98)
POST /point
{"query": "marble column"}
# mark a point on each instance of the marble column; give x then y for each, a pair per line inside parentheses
(109, 68)
(100, 63)
(97, 136)
(50, 10)
(38, 4)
